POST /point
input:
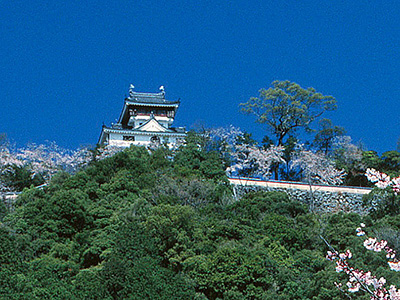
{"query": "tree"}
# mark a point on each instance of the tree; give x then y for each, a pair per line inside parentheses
(252, 160)
(398, 144)
(225, 139)
(286, 107)
(363, 280)
(326, 135)
(350, 157)
(391, 162)
(286, 172)
(316, 168)
(4, 141)
(8, 161)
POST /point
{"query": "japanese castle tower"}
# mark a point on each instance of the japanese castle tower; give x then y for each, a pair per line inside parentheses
(146, 118)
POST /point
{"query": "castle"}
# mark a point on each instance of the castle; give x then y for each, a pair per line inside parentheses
(146, 119)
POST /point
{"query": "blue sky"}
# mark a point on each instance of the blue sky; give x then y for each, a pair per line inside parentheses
(66, 66)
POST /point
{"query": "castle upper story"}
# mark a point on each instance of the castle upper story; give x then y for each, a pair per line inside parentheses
(146, 118)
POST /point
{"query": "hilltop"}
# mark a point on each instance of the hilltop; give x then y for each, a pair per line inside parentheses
(161, 225)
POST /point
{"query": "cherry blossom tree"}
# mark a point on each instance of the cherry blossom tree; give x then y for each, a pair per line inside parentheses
(362, 280)
(8, 159)
(225, 138)
(349, 152)
(245, 156)
(256, 161)
(349, 157)
(316, 167)
(385, 199)
(48, 159)
(382, 180)
(107, 151)
(41, 160)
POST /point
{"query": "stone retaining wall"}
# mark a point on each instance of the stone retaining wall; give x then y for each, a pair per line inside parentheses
(324, 201)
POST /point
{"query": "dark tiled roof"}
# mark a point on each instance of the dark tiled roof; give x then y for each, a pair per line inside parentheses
(138, 131)
(156, 98)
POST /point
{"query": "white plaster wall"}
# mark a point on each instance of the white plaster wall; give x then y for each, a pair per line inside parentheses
(116, 139)
(115, 136)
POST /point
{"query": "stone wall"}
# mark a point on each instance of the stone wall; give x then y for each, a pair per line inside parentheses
(9, 199)
(323, 201)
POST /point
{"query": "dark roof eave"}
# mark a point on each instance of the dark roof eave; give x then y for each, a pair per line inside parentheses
(154, 103)
(130, 131)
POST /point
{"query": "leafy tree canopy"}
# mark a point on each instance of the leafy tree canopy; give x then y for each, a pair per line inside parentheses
(286, 107)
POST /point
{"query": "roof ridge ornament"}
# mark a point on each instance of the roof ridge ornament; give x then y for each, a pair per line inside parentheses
(161, 88)
(131, 92)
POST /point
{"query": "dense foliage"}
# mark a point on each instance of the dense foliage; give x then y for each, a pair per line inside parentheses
(162, 225)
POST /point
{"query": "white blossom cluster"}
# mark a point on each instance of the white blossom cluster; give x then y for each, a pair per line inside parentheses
(348, 151)
(44, 160)
(48, 159)
(108, 151)
(317, 167)
(7, 160)
(383, 180)
(227, 137)
(258, 161)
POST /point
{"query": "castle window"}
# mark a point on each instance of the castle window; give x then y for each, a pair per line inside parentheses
(155, 139)
(128, 138)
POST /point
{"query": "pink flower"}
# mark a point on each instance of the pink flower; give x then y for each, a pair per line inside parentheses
(379, 246)
(369, 243)
(353, 285)
(378, 283)
(359, 279)
(368, 278)
(390, 253)
(331, 255)
(346, 255)
(360, 232)
(394, 294)
(339, 268)
(382, 180)
(394, 265)
(396, 185)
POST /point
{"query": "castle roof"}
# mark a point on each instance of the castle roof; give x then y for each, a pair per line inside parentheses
(149, 98)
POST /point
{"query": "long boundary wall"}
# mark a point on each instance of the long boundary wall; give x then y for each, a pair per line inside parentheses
(326, 198)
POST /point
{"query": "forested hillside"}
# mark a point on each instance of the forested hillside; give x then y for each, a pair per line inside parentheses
(159, 225)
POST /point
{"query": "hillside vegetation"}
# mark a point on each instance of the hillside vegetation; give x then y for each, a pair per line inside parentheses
(149, 225)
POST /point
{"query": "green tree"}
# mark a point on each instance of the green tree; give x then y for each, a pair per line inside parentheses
(22, 177)
(391, 162)
(398, 144)
(388, 163)
(326, 134)
(286, 172)
(286, 107)
(194, 160)
(4, 141)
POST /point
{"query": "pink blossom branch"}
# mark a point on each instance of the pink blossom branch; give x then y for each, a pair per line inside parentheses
(357, 278)
(383, 180)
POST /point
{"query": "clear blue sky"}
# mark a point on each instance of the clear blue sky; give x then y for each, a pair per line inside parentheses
(66, 66)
